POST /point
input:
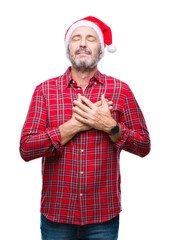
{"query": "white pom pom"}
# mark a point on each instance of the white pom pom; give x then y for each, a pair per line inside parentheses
(111, 48)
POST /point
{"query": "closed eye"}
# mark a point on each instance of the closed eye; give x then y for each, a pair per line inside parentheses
(91, 38)
(76, 38)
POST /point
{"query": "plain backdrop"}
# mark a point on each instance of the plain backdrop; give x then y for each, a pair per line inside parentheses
(32, 51)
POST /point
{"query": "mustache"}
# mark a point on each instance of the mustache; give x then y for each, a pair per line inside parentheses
(84, 50)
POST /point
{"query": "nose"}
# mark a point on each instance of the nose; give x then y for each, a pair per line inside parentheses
(83, 43)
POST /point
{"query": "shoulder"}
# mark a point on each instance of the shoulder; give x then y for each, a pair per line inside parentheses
(115, 90)
(49, 84)
(115, 83)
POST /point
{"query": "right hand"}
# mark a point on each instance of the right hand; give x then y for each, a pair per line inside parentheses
(82, 126)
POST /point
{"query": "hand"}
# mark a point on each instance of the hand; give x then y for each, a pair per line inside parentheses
(99, 104)
(82, 126)
(96, 116)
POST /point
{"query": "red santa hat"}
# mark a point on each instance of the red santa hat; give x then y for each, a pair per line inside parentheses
(103, 31)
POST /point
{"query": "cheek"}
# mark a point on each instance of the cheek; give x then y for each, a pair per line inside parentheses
(70, 52)
(73, 47)
(95, 49)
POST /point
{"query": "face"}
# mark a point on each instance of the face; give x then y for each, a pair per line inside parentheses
(84, 49)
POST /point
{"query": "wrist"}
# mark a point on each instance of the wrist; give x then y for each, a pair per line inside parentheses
(68, 130)
(75, 125)
(116, 133)
(110, 124)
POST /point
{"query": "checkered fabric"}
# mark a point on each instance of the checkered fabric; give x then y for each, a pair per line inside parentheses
(81, 180)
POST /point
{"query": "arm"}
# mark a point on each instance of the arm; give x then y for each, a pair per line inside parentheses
(70, 128)
(135, 137)
(37, 140)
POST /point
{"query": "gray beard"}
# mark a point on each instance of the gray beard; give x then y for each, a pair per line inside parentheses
(84, 66)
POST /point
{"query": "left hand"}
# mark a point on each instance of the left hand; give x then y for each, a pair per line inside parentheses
(96, 117)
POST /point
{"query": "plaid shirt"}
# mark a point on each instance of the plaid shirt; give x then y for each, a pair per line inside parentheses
(81, 180)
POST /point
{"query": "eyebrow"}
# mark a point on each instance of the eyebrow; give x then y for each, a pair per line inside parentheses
(77, 35)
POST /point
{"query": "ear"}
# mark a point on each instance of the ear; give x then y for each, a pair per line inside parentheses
(68, 55)
(100, 54)
(67, 52)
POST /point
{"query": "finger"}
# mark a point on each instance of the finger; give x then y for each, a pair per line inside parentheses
(80, 112)
(79, 99)
(103, 99)
(98, 104)
(81, 106)
(88, 102)
(82, 120)
(110, 103)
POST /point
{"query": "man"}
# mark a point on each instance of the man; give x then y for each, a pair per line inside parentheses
(79, 123)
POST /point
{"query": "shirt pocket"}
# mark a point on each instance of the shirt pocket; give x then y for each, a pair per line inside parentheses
(116, 112)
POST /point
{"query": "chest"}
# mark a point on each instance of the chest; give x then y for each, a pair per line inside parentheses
(59, 101)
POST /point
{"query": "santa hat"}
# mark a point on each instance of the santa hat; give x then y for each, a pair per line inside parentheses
(103, 31)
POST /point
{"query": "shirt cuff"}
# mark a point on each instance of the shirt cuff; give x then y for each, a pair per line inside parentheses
(126, 138)
(55, 137)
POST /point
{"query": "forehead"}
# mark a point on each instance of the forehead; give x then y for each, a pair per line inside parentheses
(84, 31)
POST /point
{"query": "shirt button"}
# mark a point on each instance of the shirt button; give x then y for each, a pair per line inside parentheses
(95, 83)
(82, 150)
(82, 172)
(81, 194)
(73, 81)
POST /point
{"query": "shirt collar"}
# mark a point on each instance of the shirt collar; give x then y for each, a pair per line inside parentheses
(68, 78)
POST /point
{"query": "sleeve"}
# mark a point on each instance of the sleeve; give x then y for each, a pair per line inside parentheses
(36, 139)
(135, 135)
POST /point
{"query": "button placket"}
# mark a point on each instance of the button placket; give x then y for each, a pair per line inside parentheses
(82, 150)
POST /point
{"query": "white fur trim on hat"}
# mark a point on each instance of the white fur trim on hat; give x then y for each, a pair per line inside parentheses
(85, 23)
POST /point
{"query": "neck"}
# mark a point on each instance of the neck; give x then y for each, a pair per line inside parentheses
(82, 78)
